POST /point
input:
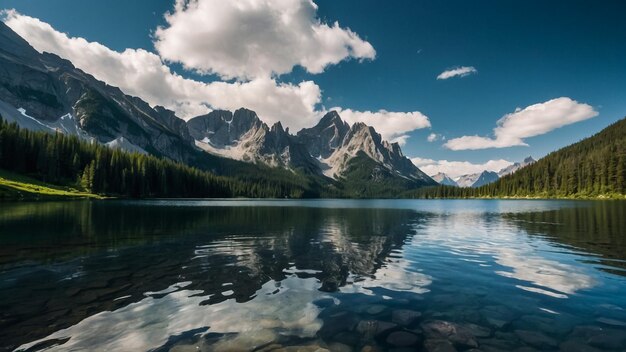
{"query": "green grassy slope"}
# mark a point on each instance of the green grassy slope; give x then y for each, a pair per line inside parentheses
(19, 187)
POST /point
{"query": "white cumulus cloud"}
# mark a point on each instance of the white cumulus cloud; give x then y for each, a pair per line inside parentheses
(254, 38)
(142, 73)
(457, 168)
(457, 72)
(393, 126)
(531, 121)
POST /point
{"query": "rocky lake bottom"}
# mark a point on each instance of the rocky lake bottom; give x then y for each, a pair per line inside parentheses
(318, 275)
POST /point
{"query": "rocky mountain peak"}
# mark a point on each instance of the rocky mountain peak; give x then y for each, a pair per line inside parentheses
(12, 45)
(443, 179)
(278, 128)
(331, 118)
(485, 177)
(169, 119)
(395, 147)
(363, 139)
(222, 128)
(325, 137)
(516, 166)
(245, 117)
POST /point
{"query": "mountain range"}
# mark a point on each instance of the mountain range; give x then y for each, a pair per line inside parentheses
(481, 178)
(43, 92)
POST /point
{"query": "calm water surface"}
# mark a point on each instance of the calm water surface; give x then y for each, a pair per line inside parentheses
(321, 274)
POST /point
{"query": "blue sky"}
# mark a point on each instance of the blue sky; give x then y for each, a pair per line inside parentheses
(524, 53)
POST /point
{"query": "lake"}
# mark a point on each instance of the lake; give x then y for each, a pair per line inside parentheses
(337, 275)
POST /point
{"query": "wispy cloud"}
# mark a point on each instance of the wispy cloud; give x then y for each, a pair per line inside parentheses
(433, 137)
(531, 121)
(457, 168)
(457, 72)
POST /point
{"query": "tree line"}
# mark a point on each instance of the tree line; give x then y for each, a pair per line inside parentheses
(68, 160)
(593, 167)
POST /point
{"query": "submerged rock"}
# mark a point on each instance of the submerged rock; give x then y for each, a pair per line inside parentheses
(308, 348)
(350, 338)
(612, 322)
(576, 346)
(536, 339)
(375, 309)
(439, 345)
(458, 335)
(477, 330)
(342, 321)
(372, 328)
(244, 342)
(498, 344)
(609, 339)
(339, 347)
(547, 324)
(498, 316)
(402, 339)
(404, 316)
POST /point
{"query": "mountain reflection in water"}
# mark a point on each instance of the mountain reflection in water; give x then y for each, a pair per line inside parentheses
(225, 276)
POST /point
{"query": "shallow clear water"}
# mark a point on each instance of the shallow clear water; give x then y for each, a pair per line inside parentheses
(337, 275)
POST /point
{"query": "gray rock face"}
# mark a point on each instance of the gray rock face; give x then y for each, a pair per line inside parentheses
(176, 124)
(48, 87)
(242, 135)
(323, 139)
(365, 139)
(223, 128)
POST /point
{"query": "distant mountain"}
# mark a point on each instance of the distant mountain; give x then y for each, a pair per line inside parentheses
(477, 179)
(443, 179)
(484, 178)
(515, 167)
(594, 167)
(467, 180)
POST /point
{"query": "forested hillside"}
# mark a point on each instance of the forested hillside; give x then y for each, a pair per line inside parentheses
(594, 167)
(67, 160)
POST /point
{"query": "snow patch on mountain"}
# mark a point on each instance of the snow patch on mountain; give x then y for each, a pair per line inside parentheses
(123, 144)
